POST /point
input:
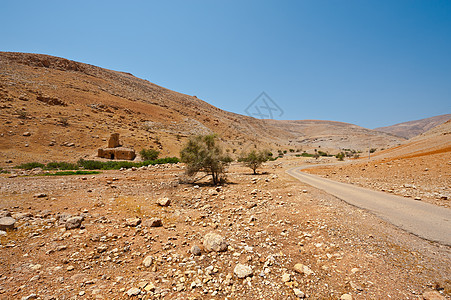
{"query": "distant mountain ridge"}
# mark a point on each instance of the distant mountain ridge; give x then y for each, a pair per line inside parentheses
(414, 128)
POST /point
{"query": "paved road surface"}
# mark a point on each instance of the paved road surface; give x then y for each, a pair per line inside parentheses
(425, 220)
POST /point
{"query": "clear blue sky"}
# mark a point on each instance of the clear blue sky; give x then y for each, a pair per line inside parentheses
(371, 63)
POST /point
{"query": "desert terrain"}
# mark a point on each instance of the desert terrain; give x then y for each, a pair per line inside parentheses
(270, 222)
(142, 233)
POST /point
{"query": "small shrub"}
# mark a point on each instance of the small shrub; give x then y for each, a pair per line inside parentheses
(149, 154)
(340, 156)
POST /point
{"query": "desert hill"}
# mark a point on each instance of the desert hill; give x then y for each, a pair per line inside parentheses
(56, 109)
(413, 128)
(333, 135)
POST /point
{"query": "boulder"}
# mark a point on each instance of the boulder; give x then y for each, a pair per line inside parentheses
(73, 223)
(214, 242)
(302, 269)
(7, 223)
(147, 262)
(195, 250)
(164, 201)
(154, 222)
(242, 271)
(133, 222)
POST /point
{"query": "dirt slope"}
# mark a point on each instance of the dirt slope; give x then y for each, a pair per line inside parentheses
(413, 128)
(55, 109)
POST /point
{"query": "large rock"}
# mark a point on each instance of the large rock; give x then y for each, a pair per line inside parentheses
(242, 271)
(133, 292)
(195, 250)
(154, 222)
(164, 201)
(133, 222)
(214, 242)
(302, 269)
(74, 222)
(147, 262)
(7, 223)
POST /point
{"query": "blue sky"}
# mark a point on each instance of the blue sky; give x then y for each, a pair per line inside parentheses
(371, 63)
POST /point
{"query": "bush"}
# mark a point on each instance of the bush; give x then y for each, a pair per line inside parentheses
(149, 154)
(203, 154)
(30, 166)
(340, 156)
(61, 166)
(116, 165)
(254, 159)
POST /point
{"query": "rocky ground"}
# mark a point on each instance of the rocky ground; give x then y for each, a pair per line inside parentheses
(262, 236)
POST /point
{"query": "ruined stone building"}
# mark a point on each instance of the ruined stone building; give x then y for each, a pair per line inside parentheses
(115, 150)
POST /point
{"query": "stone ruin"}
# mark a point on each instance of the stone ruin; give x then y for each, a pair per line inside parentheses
(115, 150)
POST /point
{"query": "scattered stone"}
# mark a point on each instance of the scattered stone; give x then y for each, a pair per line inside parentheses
(164, 202)
(346, 297)
(4, 214)
(73, 223)
(147, 262)
(433, 295)
(40, 195)
(242, 271)
(150, 287)
(7, 223)
(298, 293)
(70, 268)
(286, 277)
(195, 250)
(155, 222)
(27, 133)
(20, 216)
(2, 233)
(303, 269)
(133, 222)
(29, 297)
(214, 242)
(133, 292)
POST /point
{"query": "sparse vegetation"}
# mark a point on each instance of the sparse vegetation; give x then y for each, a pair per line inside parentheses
(254, 159)
(30, 166)
(61, 166)
(116, 165)
(149, 154)
(203, 154)
(96, 165)
(66, 173)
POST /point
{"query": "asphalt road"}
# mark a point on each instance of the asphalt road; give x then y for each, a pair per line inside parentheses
(425, 220)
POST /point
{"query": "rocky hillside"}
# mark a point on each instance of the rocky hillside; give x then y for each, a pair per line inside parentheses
(413, 128)
(55, 109)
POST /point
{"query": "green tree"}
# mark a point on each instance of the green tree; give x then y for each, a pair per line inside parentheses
(254, 159)
(340, 156)
(203, 154)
